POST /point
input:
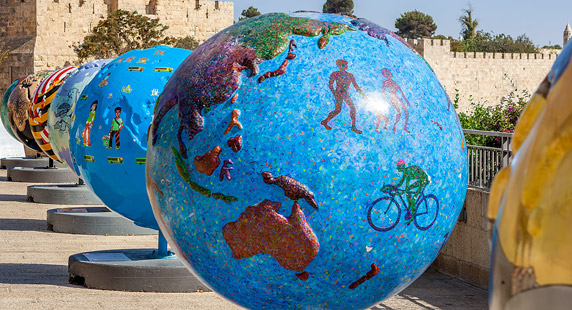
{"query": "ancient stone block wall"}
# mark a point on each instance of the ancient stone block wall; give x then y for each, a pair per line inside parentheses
(18, 32)
(18, 18)
(487, 77)
(60, 24)
(198, 18)
(49, 28)
(466, 255)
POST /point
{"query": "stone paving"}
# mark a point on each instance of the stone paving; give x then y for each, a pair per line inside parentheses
(33, 270)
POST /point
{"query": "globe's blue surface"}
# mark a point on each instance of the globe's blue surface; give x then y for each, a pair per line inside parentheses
(61, 114)
(109, 131)
(249, 124)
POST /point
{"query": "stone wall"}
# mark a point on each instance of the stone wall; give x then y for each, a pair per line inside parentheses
(47, 29)
(61, 23)
(18, 32)
(466, 255)
(198, 18)
(487, 77)
(18, 18)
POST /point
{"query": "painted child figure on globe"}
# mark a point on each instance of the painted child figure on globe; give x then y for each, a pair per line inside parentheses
(116, 126)
(86, 134)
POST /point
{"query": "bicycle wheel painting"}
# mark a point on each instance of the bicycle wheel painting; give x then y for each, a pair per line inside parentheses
(426, 213)
(384, 214)
(273, 147)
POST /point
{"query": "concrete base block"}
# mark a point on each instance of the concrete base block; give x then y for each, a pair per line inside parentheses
(41, 175)
(93, 221)
(12, 162)
(64, 194)
(132, 270)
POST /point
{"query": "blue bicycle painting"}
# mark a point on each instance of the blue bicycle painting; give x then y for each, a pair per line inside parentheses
(385, 213)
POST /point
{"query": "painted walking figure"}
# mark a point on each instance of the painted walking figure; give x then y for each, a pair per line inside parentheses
(391, 87)
(116, 126)
(343, 80)
(86, 134)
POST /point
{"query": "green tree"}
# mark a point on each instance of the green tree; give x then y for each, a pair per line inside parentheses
(456, 45)
(554, 47)
(248, 13)
(502, 117)
(500, 43)
(415, 24)
(121, 32)
(345, 7)
(468, 24)
(188, 42)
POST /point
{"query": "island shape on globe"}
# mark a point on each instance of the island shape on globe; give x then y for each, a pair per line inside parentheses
(306, 160)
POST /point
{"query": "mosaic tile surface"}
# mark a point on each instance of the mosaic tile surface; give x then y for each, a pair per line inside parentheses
(306, 161)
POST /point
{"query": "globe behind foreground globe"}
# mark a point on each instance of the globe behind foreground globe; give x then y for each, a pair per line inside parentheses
(62, 109)
(306, 161)
(108, 136)
(19, 106)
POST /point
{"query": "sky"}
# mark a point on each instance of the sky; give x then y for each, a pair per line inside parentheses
(542, 21)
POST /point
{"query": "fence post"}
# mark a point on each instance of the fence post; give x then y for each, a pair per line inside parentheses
(506, 150)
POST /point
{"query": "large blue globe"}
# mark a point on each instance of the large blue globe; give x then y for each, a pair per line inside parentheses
(306, 161)
(108, 136)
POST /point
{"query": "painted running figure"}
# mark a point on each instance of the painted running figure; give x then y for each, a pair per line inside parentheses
(343, 80)
(415, 179)
(392, 88)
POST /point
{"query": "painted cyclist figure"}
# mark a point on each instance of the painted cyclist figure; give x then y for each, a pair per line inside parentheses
(415, 179)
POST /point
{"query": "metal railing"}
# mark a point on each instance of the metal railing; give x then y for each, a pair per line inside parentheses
(485, 162)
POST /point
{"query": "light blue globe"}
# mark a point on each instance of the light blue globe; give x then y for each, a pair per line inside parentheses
(109, 131)
(306, 161)
(61, 114)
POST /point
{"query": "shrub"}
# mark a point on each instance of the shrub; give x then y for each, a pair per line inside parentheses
(500, 118)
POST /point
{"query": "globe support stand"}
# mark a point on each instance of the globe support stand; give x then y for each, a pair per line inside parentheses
(52, 173)
(31, 162)
(134, 270)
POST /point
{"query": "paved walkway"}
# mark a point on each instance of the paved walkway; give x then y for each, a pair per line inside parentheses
(33, 270)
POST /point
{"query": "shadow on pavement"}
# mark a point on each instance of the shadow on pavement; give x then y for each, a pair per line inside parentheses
(434, 290)
(7, 197)
(34, 274)
(24, 225)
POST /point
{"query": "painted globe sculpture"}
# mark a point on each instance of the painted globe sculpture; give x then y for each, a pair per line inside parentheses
(530, 199)
(61, 113)
(19, 106)
(109, 131)
(4, 110)
(306, 161)
(41, 104)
